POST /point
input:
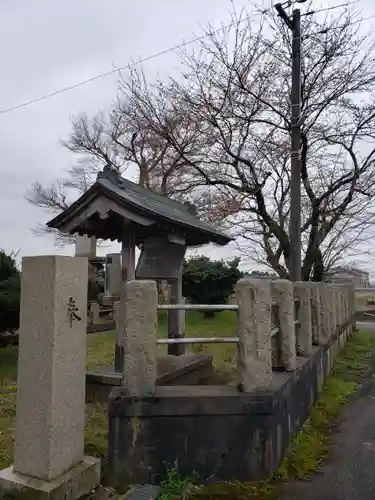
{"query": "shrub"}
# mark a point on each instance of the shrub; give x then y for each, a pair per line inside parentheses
(206, 281)
(10, 291)
(93, 290)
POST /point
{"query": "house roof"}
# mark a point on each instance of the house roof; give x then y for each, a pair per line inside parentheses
(349, 270)
(182, 216)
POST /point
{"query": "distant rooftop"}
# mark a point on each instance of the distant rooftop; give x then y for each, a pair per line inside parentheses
(348, 270)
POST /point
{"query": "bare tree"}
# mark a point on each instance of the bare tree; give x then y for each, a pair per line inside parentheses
(234, 104)
(123, 139)
(220, 136)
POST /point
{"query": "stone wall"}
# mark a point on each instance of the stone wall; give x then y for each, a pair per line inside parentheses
(213, 431)
(230, 432)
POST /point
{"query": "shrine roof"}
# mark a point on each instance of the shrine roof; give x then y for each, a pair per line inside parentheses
(110, 184)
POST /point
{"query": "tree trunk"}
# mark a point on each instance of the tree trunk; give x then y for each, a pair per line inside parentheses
(318, 266)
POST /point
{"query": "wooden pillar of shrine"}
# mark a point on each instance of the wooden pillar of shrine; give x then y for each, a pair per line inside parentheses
(176, 319)
(128, 274)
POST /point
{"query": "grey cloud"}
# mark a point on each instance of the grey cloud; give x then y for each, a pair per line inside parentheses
(47, 45)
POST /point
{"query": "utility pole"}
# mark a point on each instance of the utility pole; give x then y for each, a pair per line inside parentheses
(294, 25)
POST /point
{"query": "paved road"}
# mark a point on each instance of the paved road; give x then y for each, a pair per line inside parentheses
(349, 474)
(369, 326)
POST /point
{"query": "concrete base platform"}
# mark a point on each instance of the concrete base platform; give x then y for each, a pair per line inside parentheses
(188, 369)
(71, 485)
(214, 427)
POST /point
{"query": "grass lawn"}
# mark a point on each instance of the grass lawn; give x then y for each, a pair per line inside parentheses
(305, 454)
(101, 346)
(100, 351)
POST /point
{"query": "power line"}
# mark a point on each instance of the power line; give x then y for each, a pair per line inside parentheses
(127, 66)
(361, 20)
(154, 56)
(327, 30)
(310, 12)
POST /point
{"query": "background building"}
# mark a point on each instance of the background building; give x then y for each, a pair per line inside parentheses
(360, 278)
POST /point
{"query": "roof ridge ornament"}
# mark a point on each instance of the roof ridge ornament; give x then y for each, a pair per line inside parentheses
(192, 209)
(111, 173)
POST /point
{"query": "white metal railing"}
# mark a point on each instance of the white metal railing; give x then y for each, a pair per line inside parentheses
(211, 340)
(368, 314)
(197, 307)
(199, 340)
(203, 307)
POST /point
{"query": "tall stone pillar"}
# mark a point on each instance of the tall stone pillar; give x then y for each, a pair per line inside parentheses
(49, 441)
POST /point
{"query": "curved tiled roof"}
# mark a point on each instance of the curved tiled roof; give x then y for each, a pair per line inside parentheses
(146, 202)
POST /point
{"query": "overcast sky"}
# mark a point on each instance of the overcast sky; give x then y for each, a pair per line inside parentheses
(47, 45)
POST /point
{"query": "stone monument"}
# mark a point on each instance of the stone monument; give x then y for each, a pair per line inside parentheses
(49, 461)
(85, 247)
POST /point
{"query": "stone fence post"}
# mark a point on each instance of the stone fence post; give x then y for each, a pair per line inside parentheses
(342, 312)
(352, 308)
(94, 313)
(49, 459)
(338, 305)
(346, 306)
(332, 308)
(325, 312)
(254, 331)
(302, 292)
(315, 313)
(282, 294)
(138, 337)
